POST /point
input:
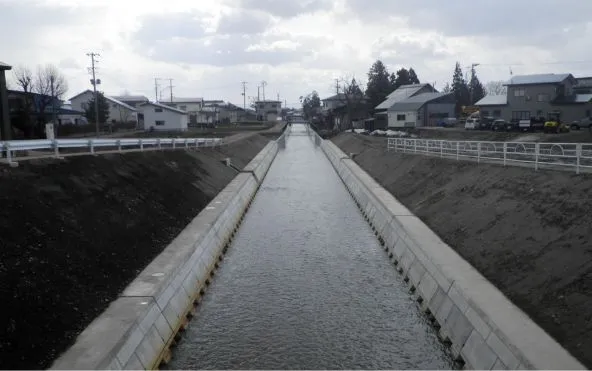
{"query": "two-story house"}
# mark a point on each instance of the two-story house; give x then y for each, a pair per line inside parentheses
(537, 96)
(268, 110)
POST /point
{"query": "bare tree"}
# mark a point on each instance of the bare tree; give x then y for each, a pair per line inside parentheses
(496, 88)
(351, 95)
(124, 115)
(52, 86)
(24, 80)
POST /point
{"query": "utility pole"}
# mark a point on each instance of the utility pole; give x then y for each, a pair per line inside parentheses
(258, 92)
(156, 89)
(470, 86)
(278, 97)
(94, 83)
(171, 86)
(244, 95)
(263, 83)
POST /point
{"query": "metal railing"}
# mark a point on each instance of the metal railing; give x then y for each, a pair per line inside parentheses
(11, 150)
(577, 156)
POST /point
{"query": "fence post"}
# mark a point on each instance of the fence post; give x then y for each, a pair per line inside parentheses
(537, 150)
(174, 142)
(158, 143)
(186, 143)
(141, 145)
(478, 152)
(415, 146)
(56, 148)
(505, 152)
(578, 157)
(119, 145)
(91, 144)
(8, 153)
(457, 150)
(441, 148)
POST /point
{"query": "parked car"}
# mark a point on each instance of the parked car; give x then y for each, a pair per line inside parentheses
(585, 123)
(500, 125)
(449, 122)
(472, 124)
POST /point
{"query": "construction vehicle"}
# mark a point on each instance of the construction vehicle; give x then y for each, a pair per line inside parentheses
(554, 124)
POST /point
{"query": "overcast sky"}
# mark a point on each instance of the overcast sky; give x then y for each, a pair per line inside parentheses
(209, 46)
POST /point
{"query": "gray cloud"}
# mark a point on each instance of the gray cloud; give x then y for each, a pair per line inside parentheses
(242, 21)
(289, 8)
(510, 18)
(163, 27)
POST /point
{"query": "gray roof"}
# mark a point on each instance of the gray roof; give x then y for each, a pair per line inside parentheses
(546, 78)
(416, 102)
(131, 98)
(163, 106)
(401, 93)
(186, 100)
(4, 66)
(113, 100)
(493, 100)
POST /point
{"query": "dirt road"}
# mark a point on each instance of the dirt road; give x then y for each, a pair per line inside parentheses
(528, 232)
(75, 232)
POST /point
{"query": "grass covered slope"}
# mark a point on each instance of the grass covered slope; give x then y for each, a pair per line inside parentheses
(74, 233)
(528, 232)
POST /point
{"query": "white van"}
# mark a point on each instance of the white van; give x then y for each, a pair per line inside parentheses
(472, 124)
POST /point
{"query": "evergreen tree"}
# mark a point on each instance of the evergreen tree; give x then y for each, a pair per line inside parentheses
(393, 81)
(460, 88)
(310, 104)
(403, 77)
(103, 109)
(476, 89)
(378, 86)
(413, 76)
(447, 88)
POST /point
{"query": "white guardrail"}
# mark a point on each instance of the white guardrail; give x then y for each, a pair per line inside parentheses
(538, 155)
(10, 149)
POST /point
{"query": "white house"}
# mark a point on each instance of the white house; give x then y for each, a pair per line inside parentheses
(132, 100)
(185, 104)
(426, 109)
(118, 111)
(268, 110)
(162, 117)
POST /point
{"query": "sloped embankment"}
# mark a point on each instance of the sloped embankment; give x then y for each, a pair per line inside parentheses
(74, 233)
(528, 232)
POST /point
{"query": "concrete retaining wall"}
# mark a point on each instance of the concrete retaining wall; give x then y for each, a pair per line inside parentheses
(484, 328)
(137, 329)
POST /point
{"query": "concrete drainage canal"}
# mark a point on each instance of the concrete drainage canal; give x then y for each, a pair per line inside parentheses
(305, 284)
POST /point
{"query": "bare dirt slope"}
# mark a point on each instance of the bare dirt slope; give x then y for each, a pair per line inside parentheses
(528, 232)
(74, 233)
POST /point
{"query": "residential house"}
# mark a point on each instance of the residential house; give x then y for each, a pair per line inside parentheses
(163, 117)
(421, 110)
(541, 95)
(119, 111)
(132, 100)
(401, 93)
(186, 104)
(268, 110)
(5, 129)
(337, 109)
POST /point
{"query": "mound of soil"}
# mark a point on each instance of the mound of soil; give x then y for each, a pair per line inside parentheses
(528, 232)
(74, 233)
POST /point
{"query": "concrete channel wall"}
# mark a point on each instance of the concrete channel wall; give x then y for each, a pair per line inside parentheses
(484, 328)
(137, 329)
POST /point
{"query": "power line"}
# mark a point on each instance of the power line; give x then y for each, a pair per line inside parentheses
(94, 83)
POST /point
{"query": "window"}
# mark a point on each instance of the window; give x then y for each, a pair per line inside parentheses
(159, 123)
(400, 117)
(484, 113)
(543, 98)
(540, 113)
(114, 105)
(521, 115)
(497, 113)
(519, 92)
(274, 106)
(158, 109)
(183, 108)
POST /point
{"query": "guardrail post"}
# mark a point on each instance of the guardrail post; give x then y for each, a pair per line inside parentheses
(119, 145)
(578, 157)
(56, 148)
(441, 148)
(141, 145)
(186, 143)
(478, 152)
(414, 145)
(8, 154)
(537, 151)
(457, 150)
(158, 143)
(174, 142)
(91, 144)
(505, 152)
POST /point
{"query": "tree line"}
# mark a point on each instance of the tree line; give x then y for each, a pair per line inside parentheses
(466, 90)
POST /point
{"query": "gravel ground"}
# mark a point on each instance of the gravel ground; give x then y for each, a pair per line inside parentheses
(74, 233)
(528, 232)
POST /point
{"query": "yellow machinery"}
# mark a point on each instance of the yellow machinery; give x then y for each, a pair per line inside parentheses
(554, 124)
